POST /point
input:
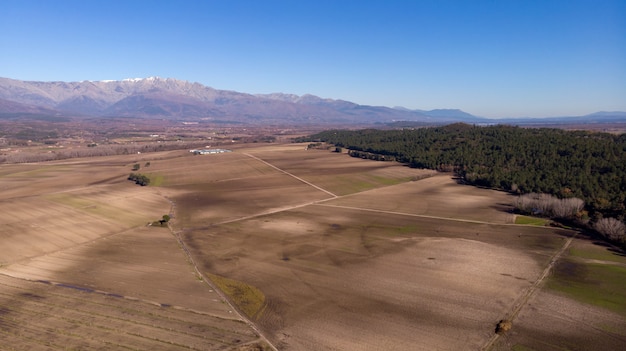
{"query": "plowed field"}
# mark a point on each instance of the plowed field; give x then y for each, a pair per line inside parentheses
(277, 247)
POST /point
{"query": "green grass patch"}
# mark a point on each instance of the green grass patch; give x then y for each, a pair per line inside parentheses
(601, 285)
(380, 230)
(389, 181)
(613, 329)
(596, 253)
(411, 228)
(518, 347)
(350, 185)
(530, 220)
(156, 179)
(249, 299)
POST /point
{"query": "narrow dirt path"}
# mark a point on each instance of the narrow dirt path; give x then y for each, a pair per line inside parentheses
(321, 203)
(219, 292)
(523, 300)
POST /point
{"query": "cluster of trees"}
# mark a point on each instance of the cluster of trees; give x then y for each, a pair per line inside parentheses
(370, 156)
(589, 166)
(550, 206)
(139, 179)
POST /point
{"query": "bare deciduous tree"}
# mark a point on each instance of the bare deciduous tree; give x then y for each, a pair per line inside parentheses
(565, 208)
(549, 205)
(611, 228)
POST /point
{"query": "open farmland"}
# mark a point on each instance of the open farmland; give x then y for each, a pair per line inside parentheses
(80, 268)
(320, 251)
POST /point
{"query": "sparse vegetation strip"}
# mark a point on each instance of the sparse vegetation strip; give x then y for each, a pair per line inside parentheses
(525, 220)
(248, 298)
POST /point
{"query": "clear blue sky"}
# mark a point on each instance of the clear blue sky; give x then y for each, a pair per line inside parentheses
(499, 58)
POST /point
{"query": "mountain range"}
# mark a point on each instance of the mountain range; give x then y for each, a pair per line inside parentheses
(169, 98)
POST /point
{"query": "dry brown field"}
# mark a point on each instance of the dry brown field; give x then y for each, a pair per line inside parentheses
(81, 269)
(310, 249)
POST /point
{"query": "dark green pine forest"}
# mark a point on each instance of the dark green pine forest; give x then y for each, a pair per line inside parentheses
(587, 165)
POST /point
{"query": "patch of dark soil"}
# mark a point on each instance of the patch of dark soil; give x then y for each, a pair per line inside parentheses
(31, 296)
(570, 270)
(79, 288)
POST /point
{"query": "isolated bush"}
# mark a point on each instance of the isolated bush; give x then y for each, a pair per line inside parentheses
(503, 326)
(166, 219)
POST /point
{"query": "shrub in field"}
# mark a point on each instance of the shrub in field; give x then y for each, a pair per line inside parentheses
(503, 326)
(166, 219)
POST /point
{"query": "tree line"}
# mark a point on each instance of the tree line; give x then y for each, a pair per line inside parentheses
(566, 164)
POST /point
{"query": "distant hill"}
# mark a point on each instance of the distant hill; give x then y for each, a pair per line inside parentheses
(168, 98)
(593, 118)
(456, 114)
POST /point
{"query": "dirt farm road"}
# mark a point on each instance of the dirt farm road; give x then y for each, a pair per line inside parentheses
(207, 281)
(291, 175)
(523, 300)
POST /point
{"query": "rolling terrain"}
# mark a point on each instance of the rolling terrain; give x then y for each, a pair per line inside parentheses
(273, 246)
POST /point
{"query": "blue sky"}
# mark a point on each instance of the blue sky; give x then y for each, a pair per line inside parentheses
(507, 58)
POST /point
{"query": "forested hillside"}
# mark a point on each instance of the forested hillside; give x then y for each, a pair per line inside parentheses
(590, 166)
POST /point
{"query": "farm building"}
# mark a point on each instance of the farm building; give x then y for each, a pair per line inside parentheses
(209, 151)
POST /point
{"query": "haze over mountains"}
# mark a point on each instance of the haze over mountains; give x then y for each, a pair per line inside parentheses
(169, 98)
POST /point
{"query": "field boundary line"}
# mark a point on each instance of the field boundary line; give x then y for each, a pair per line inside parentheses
(318, 203)
(321, 203)
(100, 292)
(523, 300)
(292, 175)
